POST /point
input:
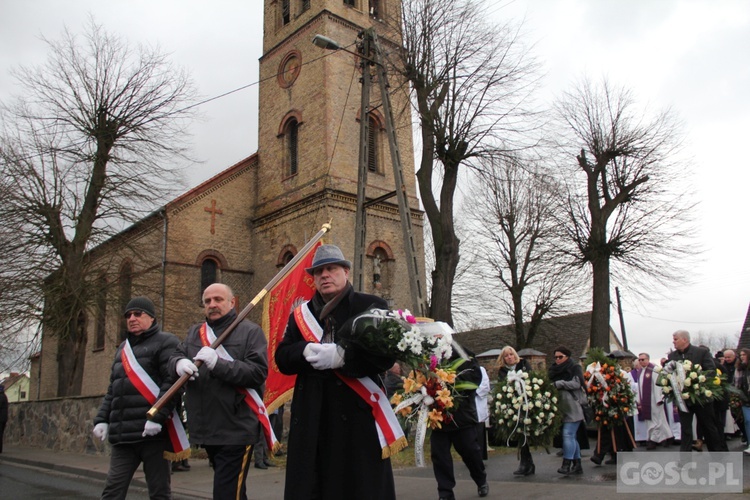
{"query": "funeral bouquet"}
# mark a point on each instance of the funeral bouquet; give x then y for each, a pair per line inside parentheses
(683, 382)
(398, 335)
(525, 409)
(608, 390)
(432, 392)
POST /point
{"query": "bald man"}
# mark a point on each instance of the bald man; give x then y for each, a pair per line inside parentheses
(220, 418)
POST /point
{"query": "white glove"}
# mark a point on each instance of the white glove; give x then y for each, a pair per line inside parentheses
(101, 431)
(326, 357)
(310, 349)
(187, 367)
(151, 428)
(208, 356)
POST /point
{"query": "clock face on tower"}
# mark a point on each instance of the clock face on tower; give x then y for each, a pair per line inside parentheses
(289, 69)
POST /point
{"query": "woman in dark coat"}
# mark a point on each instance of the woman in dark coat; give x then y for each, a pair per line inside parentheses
(510, 361)
(567, 375)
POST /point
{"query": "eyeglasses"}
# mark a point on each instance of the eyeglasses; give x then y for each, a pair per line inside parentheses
(559, 357)
(137, 314)
(642, 359)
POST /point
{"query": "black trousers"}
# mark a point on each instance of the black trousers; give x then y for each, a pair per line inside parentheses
(123, 463)
(706, 418)
(231, 463)
(465, 442)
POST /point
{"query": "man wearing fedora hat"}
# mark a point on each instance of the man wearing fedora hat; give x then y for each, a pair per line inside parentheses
(334, 450)
(141, 360)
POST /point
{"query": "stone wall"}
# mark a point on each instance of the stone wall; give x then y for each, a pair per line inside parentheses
(55, 424)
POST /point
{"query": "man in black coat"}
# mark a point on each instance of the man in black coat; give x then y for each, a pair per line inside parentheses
(705, 414)
(122, 414)
(333, 451)
(461, 433)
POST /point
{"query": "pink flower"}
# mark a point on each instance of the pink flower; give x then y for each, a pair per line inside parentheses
(433, 363)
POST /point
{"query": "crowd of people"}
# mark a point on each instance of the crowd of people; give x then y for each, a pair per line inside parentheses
(336, 443)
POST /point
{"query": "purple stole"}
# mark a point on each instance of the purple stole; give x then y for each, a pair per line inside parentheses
(644, 412)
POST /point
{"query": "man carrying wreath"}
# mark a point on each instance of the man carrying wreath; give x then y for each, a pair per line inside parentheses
(684, 350)
(342, 429)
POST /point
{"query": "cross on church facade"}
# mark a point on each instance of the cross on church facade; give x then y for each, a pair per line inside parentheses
(213, 210)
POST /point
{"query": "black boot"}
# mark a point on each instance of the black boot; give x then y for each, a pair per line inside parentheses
(577, 468)
(527, 466)
(565, 469)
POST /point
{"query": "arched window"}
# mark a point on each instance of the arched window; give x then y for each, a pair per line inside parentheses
(101, 312)
(289, 135)
(291, 147)
(286, 13)
(209, 268)
(126, 292)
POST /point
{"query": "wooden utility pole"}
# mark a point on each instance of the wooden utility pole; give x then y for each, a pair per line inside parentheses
(371, 55)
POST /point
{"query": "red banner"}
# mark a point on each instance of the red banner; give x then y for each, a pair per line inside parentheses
(295, 288)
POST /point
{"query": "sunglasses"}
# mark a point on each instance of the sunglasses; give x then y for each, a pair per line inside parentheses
(559, 357)
(137, 314)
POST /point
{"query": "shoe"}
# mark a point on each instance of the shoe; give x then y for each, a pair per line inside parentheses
(566, 465)
(597, 459)
(576, 468)
(260, 465)
(447, 497)
(178, 467)
(698, 445)
(651, 445)
(185, 464)
(611, 461)
(483, 490)
(269, 464)
(746, 451)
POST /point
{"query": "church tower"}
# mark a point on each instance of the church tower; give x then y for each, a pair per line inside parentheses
(309, 136)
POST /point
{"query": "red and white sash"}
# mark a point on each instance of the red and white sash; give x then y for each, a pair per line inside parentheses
(150, 391)
(390, 434)
(252, 398)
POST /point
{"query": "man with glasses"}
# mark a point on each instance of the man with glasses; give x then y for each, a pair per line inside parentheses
(650, 422)
(140, 362)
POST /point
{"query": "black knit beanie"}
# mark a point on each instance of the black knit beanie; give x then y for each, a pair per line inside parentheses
(141, 304)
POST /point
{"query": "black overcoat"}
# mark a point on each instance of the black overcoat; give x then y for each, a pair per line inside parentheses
(333, 451)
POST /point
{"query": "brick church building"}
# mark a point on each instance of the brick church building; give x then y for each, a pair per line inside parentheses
(241, 226)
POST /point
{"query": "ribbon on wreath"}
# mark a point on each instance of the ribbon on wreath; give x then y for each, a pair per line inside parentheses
(595, 370)
(676, 376)
(424, 401)
(519, 383)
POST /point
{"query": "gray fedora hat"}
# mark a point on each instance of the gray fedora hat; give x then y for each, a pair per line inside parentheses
(328, 254)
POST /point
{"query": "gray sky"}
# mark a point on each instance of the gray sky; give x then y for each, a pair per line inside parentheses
(686, 54)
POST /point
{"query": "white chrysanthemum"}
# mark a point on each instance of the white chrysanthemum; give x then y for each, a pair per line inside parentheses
(547, 394)
(702, 378)
(709, 393)
(546, 407)
(538, 404)
(693, 375)
(688, 382)
(515, 418)
(685, 395)
(527, 421)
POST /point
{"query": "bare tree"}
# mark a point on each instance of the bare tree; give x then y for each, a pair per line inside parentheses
(92, 144)
(470, 82)
(519, 244)
(625, 202)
